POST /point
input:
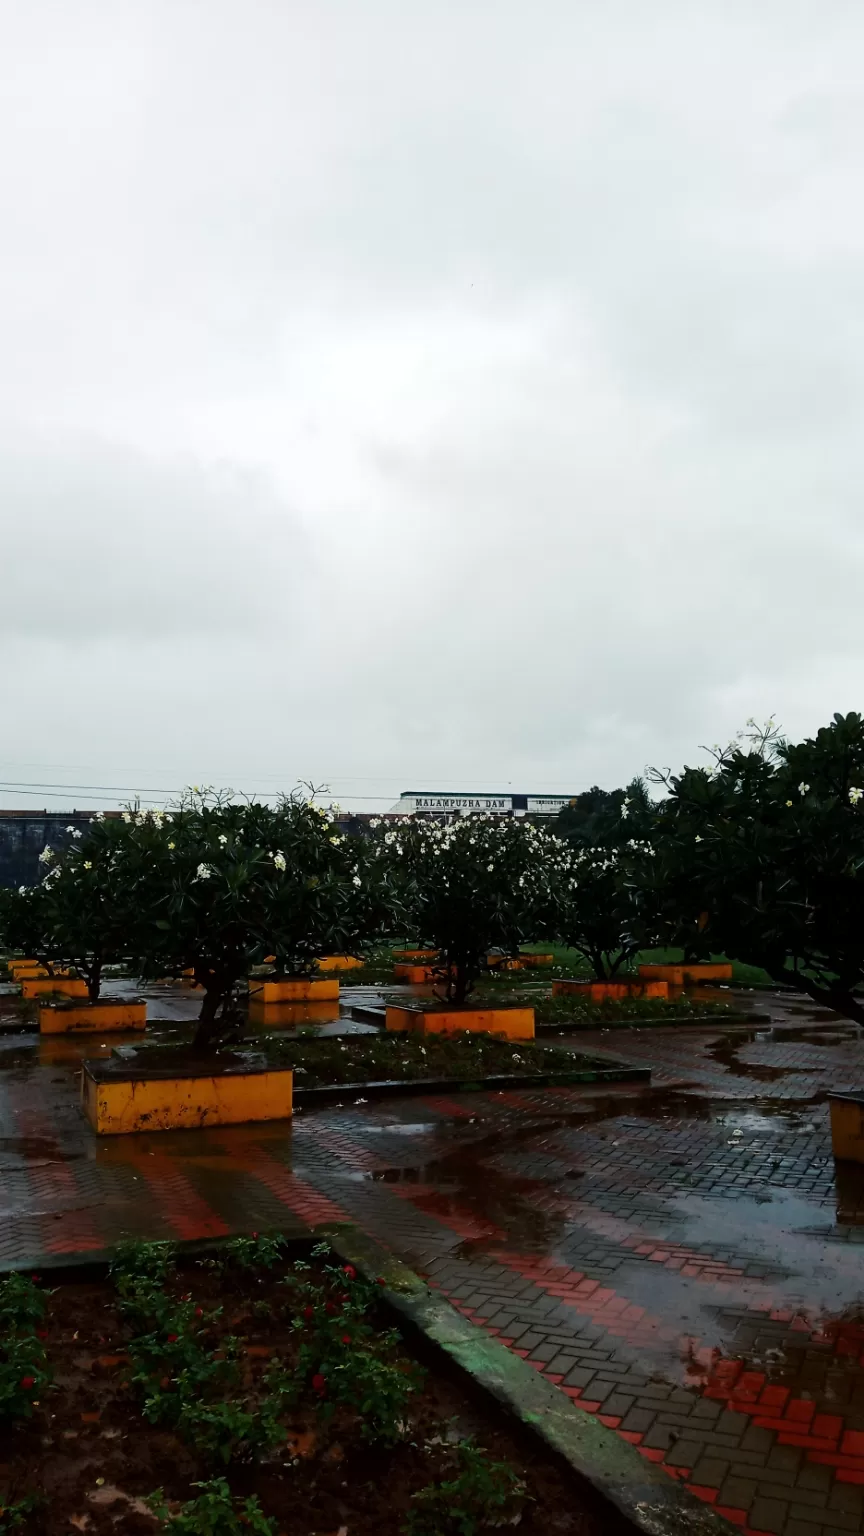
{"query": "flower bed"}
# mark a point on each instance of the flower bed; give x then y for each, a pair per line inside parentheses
(240, 1392)
(379, 1058)
(582, 1013)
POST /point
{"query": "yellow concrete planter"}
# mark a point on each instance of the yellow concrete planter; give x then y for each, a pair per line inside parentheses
(415, 954)
(43, 986)
(291, 1015)
(119, 1097)
(514, 1023)
(19, 968)
(415, 975)
(679, 974)
(292, 989)
(339, 963)
(506, 962)
(107, 1016)
(603, 991)
(847, 1126)
(535, 962)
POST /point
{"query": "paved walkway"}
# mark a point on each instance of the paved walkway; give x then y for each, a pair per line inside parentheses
(683, 1260)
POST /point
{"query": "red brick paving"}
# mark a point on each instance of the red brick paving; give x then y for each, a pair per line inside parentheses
(683, 1262)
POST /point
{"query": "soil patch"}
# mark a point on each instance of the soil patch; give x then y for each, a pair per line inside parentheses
(104, 1433)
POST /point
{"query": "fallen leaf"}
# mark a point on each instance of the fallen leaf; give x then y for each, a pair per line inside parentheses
(301, 1444)
(80, 1522)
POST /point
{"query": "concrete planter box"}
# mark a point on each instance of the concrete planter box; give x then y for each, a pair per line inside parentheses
(415, 975)
(678, 975)
(43, 986)
(126, 1094)
(106, 1016)
(291, 1015)
(847, 1126)
(602, 991)
(514, 1023)
(339, 963)
(292, 989)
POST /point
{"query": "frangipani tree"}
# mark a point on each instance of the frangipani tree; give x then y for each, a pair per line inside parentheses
(598, 907)
(84, 914)
(600, 894)
(233, 882)
(773, 834)
(468, 886)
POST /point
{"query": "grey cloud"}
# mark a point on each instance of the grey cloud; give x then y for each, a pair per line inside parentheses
(456, 390)
(102, 541)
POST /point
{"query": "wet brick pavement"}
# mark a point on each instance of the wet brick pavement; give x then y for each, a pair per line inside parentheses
(685, 1261)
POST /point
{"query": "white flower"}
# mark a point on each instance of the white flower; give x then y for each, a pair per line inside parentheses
(698, 838)
(46, 855)
(855, 795)
(279, 861)
(127, 816)
(489, 868)
(357, 880)
(204, 871)
(624, 811)
(70, 829)
(788, 802)
(172, 845)
(76, 834)
(88, 864)
(22, 890)
(100, 816)
(803, 788)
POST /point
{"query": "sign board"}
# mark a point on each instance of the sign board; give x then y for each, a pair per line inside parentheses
(438, 803)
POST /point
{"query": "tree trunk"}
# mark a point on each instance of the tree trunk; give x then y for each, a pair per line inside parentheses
(208, 1024)
(94, 981)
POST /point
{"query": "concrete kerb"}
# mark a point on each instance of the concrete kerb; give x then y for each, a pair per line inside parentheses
(647, 1499)
(636, 1494)
(398, 1087)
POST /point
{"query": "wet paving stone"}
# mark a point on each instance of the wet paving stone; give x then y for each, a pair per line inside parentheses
(683, 1260)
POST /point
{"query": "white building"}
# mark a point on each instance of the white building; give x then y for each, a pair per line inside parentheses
(433, 802)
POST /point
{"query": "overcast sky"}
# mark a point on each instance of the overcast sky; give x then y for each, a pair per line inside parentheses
(424, 393)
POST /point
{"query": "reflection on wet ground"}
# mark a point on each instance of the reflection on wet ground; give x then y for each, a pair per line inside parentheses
(684, 1259)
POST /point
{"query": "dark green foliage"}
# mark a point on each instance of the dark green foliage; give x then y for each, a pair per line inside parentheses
(23, 1369)
(215, 1512)
(771, 842)
(481, 1495)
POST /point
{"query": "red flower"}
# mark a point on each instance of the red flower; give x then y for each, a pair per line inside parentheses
(381, 1280)
(319, 1384)
(308, 1313)
(172, 1338)
(165, 1383)
(199, 1311)
(350, 1271)
(330, 1308)
(27, 1382)
(42, 1333)
(346, 1338)
(254, 1234)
